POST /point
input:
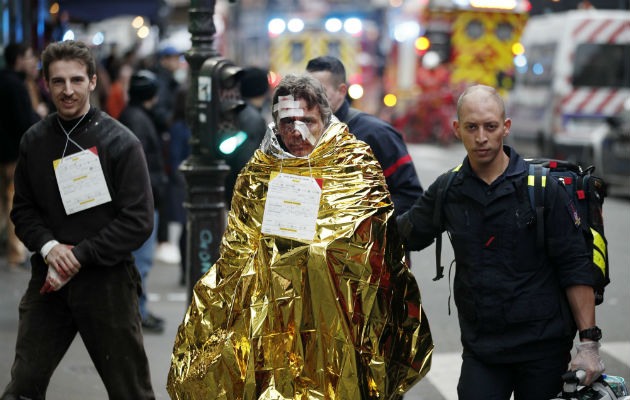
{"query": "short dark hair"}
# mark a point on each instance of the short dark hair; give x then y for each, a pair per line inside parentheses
(254, 82)
(305, 87)
(142, 86)
(483, 88)
(13, 51)
(330, 64)
(68, 50)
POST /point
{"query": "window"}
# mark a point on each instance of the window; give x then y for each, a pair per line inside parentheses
(602, 65)
(334, 49)
(474, 29)
(538, 70)
(297, 52)
(504, 31)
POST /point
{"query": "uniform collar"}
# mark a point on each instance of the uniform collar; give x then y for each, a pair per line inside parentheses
(517, 165)
(342, 112)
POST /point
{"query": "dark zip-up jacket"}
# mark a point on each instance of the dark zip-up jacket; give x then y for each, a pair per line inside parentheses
(390, 151)
(510, 297)
(104, 235)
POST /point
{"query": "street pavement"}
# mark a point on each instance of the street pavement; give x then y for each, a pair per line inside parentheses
(76, 378)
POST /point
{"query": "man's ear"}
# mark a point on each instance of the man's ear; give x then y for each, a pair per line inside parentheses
(507, 124)
(456, 129)
(343, 88)
(92, 84)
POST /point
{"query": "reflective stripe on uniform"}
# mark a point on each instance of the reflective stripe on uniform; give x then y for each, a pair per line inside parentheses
(530, 180)
(401, 161)
(599, 251)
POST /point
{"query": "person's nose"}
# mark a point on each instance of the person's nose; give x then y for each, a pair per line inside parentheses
(295, 132)
(67, 88)
(482, 135)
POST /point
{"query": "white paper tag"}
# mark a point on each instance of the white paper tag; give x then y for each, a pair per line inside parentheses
(291, 207)
(81, 181)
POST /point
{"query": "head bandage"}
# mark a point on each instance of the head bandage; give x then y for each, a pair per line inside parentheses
(288, 107)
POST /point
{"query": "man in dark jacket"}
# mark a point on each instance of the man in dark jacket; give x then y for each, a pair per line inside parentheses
(82, 205)
(518, 308)
(137, 117)
(386, 142)
(16, 116)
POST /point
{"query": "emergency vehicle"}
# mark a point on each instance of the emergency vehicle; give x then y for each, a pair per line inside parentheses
(290, 50)
(471, 42)
(574, 74)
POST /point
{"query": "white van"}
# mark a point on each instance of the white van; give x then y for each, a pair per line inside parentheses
(574, 74)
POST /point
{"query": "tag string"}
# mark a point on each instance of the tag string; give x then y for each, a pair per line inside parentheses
(310, 171)
(308, 158)
(68, 139)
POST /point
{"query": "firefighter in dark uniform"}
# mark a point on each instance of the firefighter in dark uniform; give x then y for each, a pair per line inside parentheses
(518, 308)
(386, 143)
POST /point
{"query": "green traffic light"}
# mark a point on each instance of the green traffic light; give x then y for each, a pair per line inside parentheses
(230, 144)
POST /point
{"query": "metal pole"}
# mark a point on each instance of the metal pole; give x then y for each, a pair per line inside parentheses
(204, 174)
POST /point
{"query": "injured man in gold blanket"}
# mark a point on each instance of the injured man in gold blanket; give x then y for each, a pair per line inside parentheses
(310, 297)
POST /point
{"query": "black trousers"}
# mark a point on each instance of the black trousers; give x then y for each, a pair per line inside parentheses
(101, 304)
(529, 380)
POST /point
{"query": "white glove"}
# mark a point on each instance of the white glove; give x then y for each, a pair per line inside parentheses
(588, 360)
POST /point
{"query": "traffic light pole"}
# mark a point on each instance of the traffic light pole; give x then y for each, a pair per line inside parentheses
(203, 172)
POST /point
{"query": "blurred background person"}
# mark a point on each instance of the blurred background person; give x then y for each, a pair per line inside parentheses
(179, 151)
(16, 115)
(386, 142)
(40, 98)
(137, 117)
(119, 71)
(254, 90)
(117, 98)
(168, 62)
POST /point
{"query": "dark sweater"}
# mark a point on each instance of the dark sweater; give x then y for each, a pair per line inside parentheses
(104, 235)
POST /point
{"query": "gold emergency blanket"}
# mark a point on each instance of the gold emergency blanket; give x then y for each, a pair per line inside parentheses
(336, 318)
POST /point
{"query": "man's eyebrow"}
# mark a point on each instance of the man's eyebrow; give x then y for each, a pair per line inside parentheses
(71, 77)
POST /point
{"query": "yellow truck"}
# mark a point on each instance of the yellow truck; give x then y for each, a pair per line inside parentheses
(469, 44)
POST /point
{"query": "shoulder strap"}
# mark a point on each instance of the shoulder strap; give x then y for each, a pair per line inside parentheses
(447, 180)
(536, 182)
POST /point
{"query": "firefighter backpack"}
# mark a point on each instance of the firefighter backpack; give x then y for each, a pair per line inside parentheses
(587, 193)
